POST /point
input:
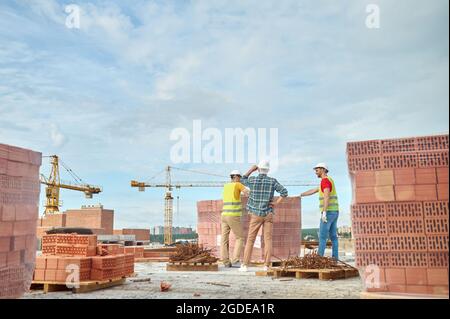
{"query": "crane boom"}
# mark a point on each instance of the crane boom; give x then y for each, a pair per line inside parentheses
(54, 184)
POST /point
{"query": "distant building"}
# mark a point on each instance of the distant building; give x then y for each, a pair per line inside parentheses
(345, 231)
(159, 230)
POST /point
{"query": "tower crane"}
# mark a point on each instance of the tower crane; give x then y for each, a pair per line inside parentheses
(54, 184)
(169, 186)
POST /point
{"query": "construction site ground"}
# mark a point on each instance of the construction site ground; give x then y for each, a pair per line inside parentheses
(225, 283)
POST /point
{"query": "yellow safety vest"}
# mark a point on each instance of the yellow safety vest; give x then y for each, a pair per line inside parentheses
(333, 204)
(232, 199)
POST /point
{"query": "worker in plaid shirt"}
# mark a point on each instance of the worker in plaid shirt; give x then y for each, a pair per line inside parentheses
(260, 209)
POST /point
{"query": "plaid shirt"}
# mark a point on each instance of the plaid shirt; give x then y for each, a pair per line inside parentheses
(262, 188)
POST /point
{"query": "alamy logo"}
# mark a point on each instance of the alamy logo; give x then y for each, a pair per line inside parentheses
(373, 17)
(230, 146)
(73, 18)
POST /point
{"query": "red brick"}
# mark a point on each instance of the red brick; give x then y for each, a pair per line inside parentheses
(8, 213)
(438, 290)
(404, 176)
(442, 175)
(384, 178)
(61, 275)
(400, 160)
(374, 194)
(50, 275)
(436, 225)
(439, 209)
(408, 243)
(417, 289)
(433, 142)
(41, 262)
(24, 228)
(3, 257)
(82, 262)
(416, 276)
(437, 276)
(27, 212)
(397, 288)
(426, 192)
(6, 228)
(363, 148)
(5, 244)
(437, 243)
(407, 210)
(3, 165)
(52, 262)
(39, 274)
(408, 259)
(54, 220)
(364, 178)
(405, 193)
(426, 176)
(18, 242)
(442, 191)
(31, 242)
(395, 276)
(13, 258)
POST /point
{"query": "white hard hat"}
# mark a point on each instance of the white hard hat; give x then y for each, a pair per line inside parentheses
(264, 164)
(321, 165)
(235, 172)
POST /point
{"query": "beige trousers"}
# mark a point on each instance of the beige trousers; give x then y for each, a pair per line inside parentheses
(234, 224)
(255, 224)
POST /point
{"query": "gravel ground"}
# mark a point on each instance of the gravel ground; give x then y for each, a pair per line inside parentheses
(240, 285)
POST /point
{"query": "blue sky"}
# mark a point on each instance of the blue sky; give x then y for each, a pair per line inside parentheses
(105, 97)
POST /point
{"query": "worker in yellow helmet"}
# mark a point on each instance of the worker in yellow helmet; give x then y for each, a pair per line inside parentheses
(329, 207)
(231, 219)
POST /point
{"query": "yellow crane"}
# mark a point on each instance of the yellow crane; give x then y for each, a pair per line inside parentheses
(54, 184)
(169, 186)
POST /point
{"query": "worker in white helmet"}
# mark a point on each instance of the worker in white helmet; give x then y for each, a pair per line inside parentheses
(260, 207)
(231, 219)
(329, 207)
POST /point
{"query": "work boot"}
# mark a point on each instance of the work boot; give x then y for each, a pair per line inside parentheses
(236, 265)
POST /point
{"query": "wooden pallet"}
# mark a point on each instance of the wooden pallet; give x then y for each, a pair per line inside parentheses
(188, 266)
(84, 286)
(321, 274)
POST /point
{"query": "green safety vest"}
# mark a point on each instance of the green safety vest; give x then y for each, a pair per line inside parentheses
(333, 204)
(232, 205)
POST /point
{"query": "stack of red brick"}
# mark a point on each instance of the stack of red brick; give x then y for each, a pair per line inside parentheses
(286, 228)
(95, 262)
(19, 199)
(99, 220)
(400, 213)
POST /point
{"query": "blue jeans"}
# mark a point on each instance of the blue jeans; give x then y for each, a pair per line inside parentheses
(329, 229)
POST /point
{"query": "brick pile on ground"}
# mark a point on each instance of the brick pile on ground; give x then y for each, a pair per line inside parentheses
(19, 199)
(400, 213)
(64, 254)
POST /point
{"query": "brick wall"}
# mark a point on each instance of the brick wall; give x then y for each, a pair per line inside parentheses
(400, 213)
(286, 231)
(19, 199)
(97, 218)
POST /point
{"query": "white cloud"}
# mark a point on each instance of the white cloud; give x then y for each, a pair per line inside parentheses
(57, 137)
